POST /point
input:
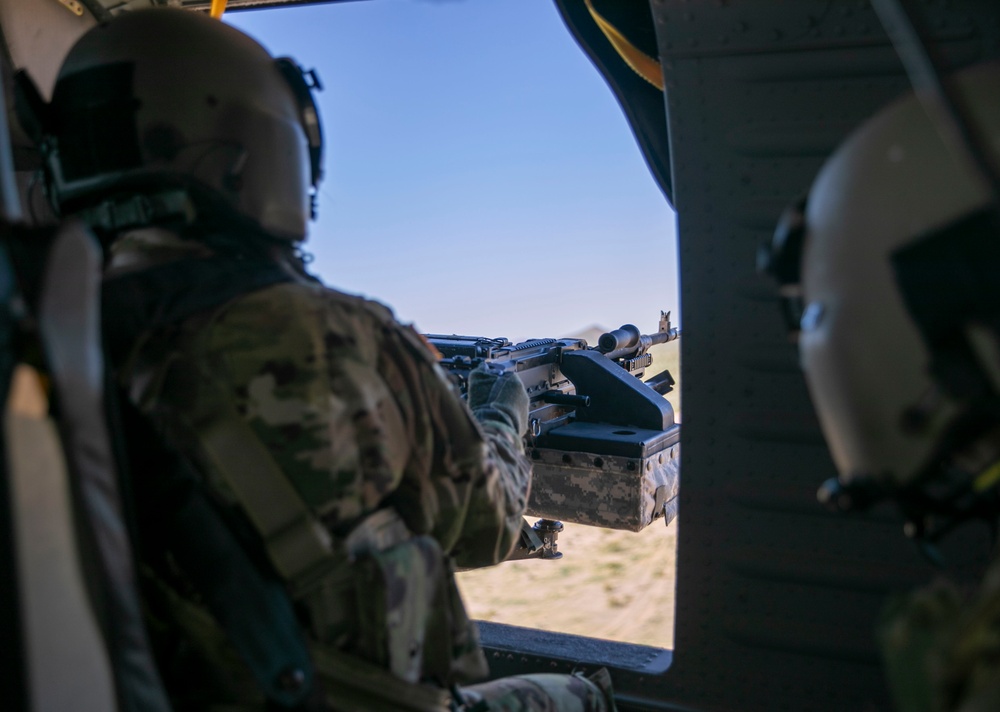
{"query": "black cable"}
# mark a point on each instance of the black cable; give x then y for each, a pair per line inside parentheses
(944, 104)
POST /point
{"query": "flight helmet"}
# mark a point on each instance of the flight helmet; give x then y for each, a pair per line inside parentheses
(161, 103)
(898, 295)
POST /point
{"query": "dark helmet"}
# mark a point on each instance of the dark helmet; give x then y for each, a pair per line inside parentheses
(161, 103)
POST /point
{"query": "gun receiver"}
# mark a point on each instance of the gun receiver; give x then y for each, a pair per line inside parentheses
(604, 443)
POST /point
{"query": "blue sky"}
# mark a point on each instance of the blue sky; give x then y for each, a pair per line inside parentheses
(480, 176)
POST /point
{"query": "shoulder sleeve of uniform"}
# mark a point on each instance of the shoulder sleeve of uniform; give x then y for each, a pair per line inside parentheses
(302, 364)
(467, 485)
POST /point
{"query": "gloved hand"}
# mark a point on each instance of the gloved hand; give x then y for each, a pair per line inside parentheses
(498, 398)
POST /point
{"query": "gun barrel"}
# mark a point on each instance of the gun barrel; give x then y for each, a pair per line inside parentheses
(662, 337)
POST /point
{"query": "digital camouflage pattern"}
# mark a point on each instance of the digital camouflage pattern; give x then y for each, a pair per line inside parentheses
(942, 648)
(542, 693)
(612, 491)
(357, 415)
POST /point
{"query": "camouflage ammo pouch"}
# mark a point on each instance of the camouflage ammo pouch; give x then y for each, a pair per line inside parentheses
(397, 577)
(411, 618)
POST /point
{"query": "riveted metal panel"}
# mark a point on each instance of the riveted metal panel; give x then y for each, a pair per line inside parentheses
(776, 600)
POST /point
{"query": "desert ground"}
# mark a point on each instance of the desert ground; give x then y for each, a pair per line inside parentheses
(614, 585)
(609, 584)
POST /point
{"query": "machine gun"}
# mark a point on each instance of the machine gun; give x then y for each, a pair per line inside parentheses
(603, 442)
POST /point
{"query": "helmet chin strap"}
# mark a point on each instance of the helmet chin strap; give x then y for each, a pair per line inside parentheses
(858, 495)
(929, 519)
(933, 508)
(141, 210)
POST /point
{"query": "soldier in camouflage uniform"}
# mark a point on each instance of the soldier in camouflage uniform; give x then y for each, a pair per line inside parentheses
(322, 431)
(898, 341)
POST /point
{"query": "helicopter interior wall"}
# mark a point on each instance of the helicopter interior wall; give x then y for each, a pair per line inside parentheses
(777, 600)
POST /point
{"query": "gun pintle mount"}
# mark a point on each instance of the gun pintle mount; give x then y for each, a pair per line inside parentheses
(604, 443)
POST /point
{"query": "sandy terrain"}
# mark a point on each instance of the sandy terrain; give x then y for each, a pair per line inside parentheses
(608, 584)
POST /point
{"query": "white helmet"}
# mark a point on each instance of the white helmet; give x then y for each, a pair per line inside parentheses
(900, 287)
(162, 99)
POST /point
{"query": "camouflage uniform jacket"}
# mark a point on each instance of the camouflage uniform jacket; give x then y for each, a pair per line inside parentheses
(941, 646)
(356, 413)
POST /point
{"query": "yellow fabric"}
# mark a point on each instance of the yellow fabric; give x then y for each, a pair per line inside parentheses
(641, 63)
(218, 7)
(987, 479)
